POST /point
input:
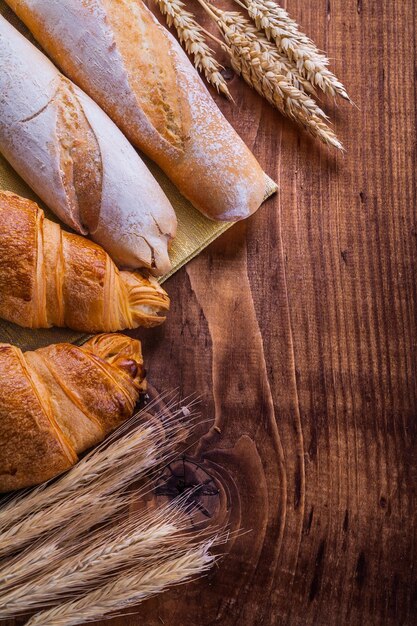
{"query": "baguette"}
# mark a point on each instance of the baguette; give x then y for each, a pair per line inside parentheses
(60, 400)
(77, 160)
(118, 52)
(49, 277)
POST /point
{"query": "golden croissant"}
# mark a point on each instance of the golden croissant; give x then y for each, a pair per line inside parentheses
(49, 277)
(60, 400)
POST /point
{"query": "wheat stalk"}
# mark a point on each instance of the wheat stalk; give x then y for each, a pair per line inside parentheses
(191, 35)
(71, 559)
(253, 57)
(55, 548)
(129, 589)
(135, 542)
(28, 563)
(91, 491)
(280, 28)
(129, 439)
(131, 450)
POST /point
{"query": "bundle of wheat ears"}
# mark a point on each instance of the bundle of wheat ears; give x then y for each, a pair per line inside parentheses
(71, 551)
(270, 53)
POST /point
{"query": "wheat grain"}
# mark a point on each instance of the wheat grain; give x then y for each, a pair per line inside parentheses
(253, 59)
(88, 509)
(69, 556)
(125, 456)
(128, 590)
(27, 563)
(191, 35)
(279, 27)
(90, 492)
(83, 566)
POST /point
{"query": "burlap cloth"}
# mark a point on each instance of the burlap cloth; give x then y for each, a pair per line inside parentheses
(195, 232)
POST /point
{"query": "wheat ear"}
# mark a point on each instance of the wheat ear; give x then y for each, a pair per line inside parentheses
(280, 28)
(88, 510)
(267, 58)
(28, 563)
(91, 491)
(191, 35)
(56, 551)
(133, 543)
(128, 590)
(134, 438)
(252, 57)
(283, 65)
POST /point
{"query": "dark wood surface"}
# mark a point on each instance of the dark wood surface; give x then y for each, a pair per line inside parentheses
(298, 329)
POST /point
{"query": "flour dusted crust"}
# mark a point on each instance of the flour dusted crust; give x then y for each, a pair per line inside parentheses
(77, 160)
(118, 52)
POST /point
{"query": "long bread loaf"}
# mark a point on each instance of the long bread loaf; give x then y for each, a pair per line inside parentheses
(77, 160)
(131, 65)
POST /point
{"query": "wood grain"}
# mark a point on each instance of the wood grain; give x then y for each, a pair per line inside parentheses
(299, 330)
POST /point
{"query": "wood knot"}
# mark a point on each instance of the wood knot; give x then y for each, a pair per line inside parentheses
(189, 479)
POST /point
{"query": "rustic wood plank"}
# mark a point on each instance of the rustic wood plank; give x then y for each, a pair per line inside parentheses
(300, 333)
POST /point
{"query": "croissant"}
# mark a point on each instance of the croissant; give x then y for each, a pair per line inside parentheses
(49, 277)
(60, 400)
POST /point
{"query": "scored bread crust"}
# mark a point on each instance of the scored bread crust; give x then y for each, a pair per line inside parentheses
(118, 52)
(77, 160)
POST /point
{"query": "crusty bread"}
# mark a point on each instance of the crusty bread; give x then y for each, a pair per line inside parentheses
(49, 277)
(77, 160)
(60, 400)
(119, 53)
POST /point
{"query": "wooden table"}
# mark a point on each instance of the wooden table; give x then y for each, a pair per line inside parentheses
(298, 328)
